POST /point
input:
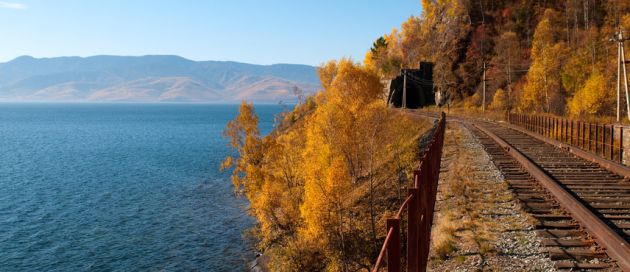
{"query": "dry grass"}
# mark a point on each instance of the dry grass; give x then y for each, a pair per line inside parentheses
(444, 236)
(461, 225)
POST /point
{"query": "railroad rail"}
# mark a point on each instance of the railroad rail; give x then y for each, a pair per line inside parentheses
(582, 207)
(419, 205)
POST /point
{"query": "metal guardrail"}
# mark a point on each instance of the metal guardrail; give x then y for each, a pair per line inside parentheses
(419, 204)
(604, 140)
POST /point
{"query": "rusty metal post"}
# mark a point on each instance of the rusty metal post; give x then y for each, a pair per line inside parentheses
(393, 248)
(612, 143)
(604, 138)
(571, 132)
(535, 123)
(566, 130)
(579, 134)
(561, 130)
(596, 138)
(413, 226)
(527, 122)
(621, 145)
(604, 141)
(581, 137)
(591, 141)
(425, 225)
(555, 128)
(621, 150)
(416, 177)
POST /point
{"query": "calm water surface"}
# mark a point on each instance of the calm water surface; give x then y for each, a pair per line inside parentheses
(119, 187)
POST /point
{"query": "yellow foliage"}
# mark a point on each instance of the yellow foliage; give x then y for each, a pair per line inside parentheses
(325, 177)
(499, 100)
(245, 138)
(593, 98)
(543, 78)
(473, 101)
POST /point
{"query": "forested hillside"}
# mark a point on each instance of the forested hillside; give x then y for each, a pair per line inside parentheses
(542, 56)
(323, 182)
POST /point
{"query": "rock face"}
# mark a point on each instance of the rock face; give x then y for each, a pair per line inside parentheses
(151, 79)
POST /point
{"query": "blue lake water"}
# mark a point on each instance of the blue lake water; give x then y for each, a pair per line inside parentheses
(119, 187)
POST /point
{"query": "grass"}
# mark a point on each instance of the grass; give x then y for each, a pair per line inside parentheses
(444, 240)
(466, 198)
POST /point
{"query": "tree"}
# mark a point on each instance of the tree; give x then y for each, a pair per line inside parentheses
(507, 59)
(593, 98)
(499, 101)
(245, 139)
(543, 91)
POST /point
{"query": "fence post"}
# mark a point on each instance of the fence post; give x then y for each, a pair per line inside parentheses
(393, 248)
(413, 229)
(547, 126)
(621, 145)
(566, 130)
(561, 130)
(604, 138)
(571, 132)
(596, 138)
(555, 128)
(590, 137)
(581, 134)
(612, 143)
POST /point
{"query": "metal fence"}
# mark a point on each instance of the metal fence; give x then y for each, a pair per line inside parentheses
(419, 205)
(604, 140)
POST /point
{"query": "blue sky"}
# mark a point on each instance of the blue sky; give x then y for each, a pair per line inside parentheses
(253, 31)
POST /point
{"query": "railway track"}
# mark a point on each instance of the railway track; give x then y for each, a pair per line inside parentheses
(593, 238)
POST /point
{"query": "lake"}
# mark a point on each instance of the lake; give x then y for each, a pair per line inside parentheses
(120, 187)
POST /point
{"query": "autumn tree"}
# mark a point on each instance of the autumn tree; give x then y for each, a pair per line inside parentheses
(385, 55)
(543, 91)
(245, 139)
(350, 168)
(499, 101)
(592, 99)
(320, 185)
(507, 61)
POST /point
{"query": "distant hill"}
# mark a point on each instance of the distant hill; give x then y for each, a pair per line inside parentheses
(151, 79)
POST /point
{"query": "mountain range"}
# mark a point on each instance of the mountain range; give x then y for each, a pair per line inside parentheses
(153, 78)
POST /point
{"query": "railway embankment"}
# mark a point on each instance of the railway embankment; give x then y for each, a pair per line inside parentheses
(479, 223)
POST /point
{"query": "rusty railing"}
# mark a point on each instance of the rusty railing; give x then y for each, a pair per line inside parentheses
(419, 204)
(604, 140)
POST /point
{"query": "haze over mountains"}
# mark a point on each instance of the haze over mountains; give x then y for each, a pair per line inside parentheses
(151, 79)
